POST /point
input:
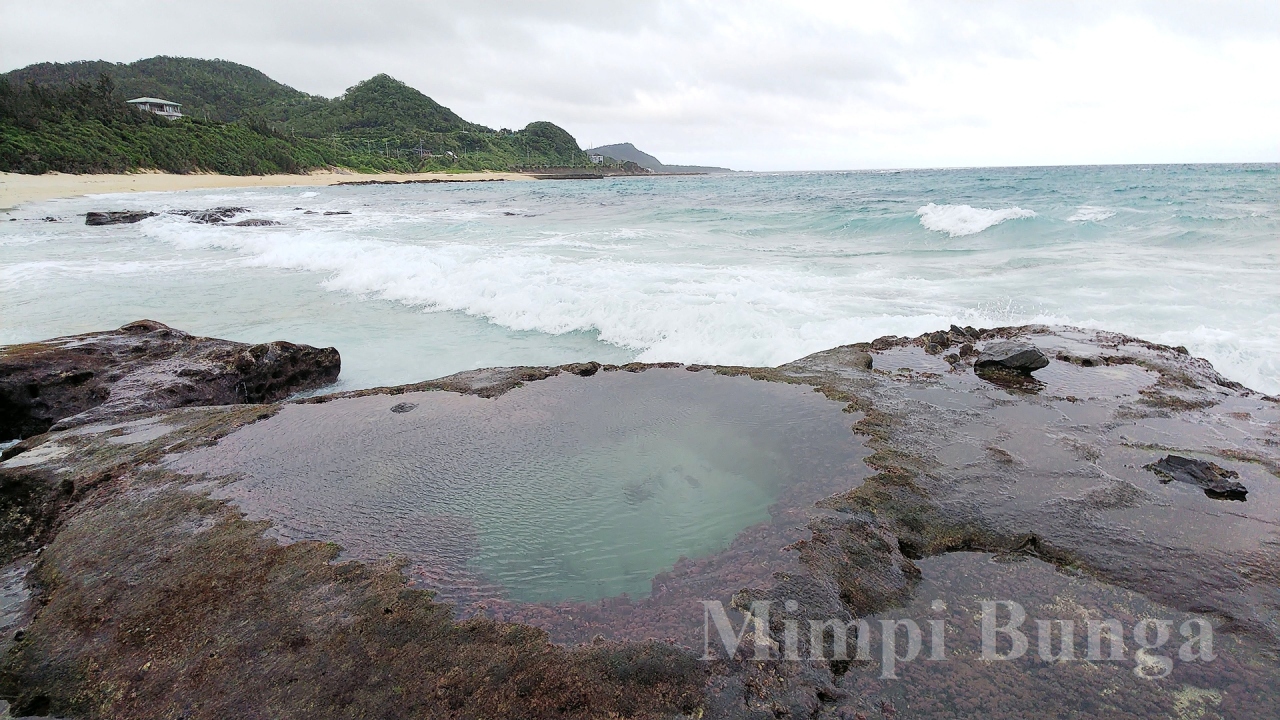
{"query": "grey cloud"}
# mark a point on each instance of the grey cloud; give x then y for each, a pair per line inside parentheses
(760, 84)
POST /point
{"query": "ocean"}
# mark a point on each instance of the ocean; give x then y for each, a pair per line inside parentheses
(420, 281)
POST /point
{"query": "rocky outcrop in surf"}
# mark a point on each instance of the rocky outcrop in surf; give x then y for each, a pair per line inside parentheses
(121, 217)
(142, 367)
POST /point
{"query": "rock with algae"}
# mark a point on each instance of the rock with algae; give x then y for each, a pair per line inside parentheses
(146, 366)
(958, 463)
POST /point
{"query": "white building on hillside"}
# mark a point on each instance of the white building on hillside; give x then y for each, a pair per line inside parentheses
(165, 108)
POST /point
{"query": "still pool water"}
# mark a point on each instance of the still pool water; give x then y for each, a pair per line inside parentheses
(568, 488)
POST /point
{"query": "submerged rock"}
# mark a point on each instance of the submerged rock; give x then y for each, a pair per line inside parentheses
(116, 217)
(1012, 355)
(255, 222)
(146, 366)
(1215, 480)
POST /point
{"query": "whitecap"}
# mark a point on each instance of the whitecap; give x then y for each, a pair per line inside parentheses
(1091, 213)
(960, 220)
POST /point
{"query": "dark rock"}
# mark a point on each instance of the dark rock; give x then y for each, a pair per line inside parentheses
(586, 369)
(116, 218)
(146, 366)
(860, 359)
(255, 222)
(1081, 360)
(212, 216)
(1012, 355)
(337, 212)
(403, 407)
(1215, 480)
(966, 350)
(960, 336)
(933, 348)
(886, 342)
(50, 219)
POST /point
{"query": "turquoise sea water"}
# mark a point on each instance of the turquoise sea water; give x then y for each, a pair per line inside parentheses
(425, 280)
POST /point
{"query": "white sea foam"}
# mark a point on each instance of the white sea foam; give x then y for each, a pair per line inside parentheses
(664, 311)
(739, 274)
(52, 271)
(652, 296)
(1090, 213)
(960, 220)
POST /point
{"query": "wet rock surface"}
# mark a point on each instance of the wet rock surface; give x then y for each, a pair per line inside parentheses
(211, 216)
(121, 217)
(142, 367)
(973, 490)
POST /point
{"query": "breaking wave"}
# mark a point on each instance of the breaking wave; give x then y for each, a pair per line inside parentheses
(960, 220)
(424, 281)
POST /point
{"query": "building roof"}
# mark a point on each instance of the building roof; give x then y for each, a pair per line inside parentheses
(154, 100)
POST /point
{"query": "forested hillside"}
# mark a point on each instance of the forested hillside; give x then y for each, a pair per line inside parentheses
(72, 117)
(207, 89)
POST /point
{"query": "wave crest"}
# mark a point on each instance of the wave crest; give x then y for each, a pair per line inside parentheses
(1091, 213)
(960, 220)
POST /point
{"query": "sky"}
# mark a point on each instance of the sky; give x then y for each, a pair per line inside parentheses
(755, 85)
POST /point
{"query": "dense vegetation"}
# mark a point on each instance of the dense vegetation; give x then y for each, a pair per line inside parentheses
(72, 118)
(207, 89)
(86, 128)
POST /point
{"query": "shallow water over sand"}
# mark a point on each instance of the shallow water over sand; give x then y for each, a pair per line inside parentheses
(567, 489)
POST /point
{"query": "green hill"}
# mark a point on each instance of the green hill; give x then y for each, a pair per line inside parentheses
(378, 106)
(378, 124)
(208, 89)
(85, 128)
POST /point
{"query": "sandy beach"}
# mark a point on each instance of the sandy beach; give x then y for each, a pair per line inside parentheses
(17, 189)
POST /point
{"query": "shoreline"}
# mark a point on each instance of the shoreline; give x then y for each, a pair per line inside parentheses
(17, 189)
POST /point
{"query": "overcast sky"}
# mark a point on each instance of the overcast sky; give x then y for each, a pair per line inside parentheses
(755, 85)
